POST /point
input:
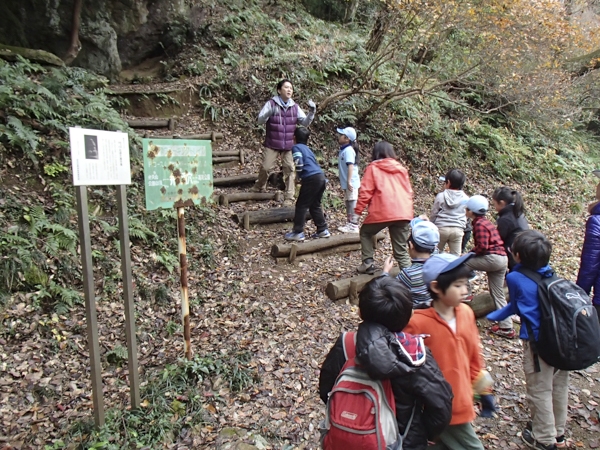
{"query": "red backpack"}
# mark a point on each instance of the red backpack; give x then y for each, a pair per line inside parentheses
(361, 412)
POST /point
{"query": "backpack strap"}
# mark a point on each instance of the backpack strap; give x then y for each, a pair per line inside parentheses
(533, 276)
(412, 415)
(349, 343)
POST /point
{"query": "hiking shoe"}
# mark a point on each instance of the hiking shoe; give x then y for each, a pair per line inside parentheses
(508, 333)
(349, 228)
(288, 202)
(530, 441)
(321, 234)
(291, 236)
(366, 268)
(257, 188)
(561, 441)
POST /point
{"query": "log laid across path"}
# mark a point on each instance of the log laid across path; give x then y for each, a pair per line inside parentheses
(271, 215)
(315, 245)
(350, 287)
(483, 304)
(235, 180)
(226, 199)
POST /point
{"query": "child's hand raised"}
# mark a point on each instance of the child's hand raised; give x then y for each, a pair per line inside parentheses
(389, 263)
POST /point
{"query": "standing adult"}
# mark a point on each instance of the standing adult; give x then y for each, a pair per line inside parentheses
(386, 190)
(281, 115)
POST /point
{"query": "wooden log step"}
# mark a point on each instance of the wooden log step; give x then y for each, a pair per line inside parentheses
(263, 216)
(317, 245)
(235, 180)
(226, 199)
(224, 159)
(220, 154)
(152, 123)
(202, 137)
(482, 303)
(339, 289)
(330, 251)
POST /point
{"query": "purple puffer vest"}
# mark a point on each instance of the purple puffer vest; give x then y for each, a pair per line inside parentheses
(281, 126)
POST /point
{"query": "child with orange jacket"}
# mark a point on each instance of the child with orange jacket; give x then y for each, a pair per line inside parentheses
(454, 343)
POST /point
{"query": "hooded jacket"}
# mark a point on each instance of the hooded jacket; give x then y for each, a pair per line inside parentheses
(458, 354)
(281, 119)
(448, 209)
(415, 377)
(385, 189)
(589, 266)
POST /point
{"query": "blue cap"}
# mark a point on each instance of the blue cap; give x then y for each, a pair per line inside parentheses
(478, 204)
(441, 263)
(425, 233)
(349, 132)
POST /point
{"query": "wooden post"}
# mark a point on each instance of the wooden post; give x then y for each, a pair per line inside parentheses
(90, 303)
(242, 157)
(246, 221)
(185, 306)
(132, 359)
(353, 293)
(293, 252)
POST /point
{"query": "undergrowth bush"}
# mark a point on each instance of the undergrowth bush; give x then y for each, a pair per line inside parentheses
(173, 403)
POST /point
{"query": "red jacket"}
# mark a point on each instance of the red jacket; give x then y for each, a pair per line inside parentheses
(385, 188)
(458, 354)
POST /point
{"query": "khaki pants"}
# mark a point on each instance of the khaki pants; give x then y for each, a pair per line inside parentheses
(453, 237)
(399, 232)
(495, 267)
(289, 174)
(547, 395)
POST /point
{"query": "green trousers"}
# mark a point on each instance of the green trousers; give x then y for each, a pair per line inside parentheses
(399, 232)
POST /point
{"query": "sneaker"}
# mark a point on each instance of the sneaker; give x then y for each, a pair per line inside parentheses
(257, 188)
(322, 234)
(288, 202)
(515, 318)
(349, 228)
(366, 268)
(508, 333)
(291, 236)
(530, 441)
(561, 441)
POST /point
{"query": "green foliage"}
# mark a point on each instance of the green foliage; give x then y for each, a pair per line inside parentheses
(54, 296)
(172, 399)
(117, 356)
(36, 100)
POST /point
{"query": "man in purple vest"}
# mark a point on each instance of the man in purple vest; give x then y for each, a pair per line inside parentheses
(281, 115)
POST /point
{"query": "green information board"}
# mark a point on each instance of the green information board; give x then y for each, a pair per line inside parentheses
(177, 172)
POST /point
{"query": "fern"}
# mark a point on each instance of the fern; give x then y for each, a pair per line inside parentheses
(137, 229)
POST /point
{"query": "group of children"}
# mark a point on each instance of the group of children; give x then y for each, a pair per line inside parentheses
(437, 289)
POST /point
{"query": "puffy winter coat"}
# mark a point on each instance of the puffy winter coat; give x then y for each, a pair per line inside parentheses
(281, 120)
(415, 376)
(589, 266)
(386, 190)
(509, 226)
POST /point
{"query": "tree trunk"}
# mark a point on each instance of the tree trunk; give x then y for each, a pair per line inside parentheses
(330, 251)
(483, 304)
(379, 30)
(351, 11)
(234, 181)
(75, 45)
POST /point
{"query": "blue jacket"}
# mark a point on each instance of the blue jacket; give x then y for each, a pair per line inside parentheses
(305, 161)
(589, 267)
(523, 293)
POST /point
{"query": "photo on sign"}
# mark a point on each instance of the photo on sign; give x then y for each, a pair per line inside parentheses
(91, 146)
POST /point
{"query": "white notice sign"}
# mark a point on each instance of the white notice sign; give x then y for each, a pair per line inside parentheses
(99, 157)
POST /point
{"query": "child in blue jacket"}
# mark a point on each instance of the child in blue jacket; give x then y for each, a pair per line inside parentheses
(589, 266)
(547, 387)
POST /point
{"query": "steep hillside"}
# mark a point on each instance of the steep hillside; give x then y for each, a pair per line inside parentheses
(259, 330)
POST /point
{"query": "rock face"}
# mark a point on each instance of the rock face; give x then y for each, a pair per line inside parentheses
(114, 34)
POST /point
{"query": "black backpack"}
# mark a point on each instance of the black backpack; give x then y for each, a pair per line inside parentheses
(569, 334)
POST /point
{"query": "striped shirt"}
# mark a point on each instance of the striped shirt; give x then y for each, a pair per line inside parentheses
(487, 239)
(412, 277)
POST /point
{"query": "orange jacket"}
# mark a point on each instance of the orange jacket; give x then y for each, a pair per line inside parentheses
(458, 355)
(385, 188)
